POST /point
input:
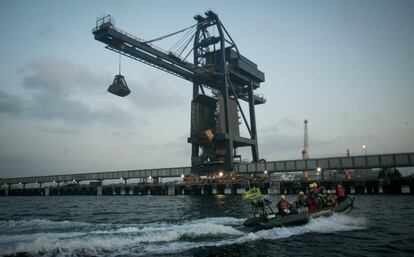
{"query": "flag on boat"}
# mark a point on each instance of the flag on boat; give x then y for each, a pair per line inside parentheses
(252, 194)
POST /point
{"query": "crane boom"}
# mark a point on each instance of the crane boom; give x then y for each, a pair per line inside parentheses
(138, 49)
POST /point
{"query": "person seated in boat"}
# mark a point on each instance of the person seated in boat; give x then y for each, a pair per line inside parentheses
(283, 206)
(340, 192)
(313, 198)
(301, 200)
(329, 200)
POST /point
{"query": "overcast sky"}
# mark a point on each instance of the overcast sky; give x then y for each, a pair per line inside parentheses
(346, 66)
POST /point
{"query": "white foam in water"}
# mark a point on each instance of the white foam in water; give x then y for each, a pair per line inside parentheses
(330, 224)
(153, 238)
(221, 220)
(97, 240)
(40, 224)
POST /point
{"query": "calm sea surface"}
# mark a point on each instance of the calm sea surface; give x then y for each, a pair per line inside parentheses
(380, 225)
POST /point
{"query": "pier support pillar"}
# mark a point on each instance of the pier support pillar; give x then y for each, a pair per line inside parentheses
(221, 189)
(171, 190)
(274, 188)
(47, 191)
(99, 189)
(207, 189)
(196, 190)
(234, 188)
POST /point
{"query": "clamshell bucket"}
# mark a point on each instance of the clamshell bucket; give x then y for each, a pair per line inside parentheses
(119, 86)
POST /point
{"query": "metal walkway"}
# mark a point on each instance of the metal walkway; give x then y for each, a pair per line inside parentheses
(331, 163)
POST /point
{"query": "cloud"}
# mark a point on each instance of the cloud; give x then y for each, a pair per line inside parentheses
(178, 145)
(283, 124)
(46, 31)
(287, 122)
(11, 104)
(46, 107)
(54, 91)
(63, 130)
(156, 93)
(284, 140)
(279, 141)
(62, 78)
(59, 77)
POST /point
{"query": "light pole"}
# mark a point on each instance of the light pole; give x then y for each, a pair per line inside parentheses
(320, 172)
(365, 149)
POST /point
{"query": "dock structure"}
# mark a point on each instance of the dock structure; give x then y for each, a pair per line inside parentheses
(96, 187)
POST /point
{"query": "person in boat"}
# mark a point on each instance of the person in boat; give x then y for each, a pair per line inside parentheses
(301, 200)
(329, 200)
(283, 206)
(320, 197)
(340, 192)
(313, 198)
(318, 188)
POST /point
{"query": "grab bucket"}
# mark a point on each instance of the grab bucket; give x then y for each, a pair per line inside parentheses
(119, 86)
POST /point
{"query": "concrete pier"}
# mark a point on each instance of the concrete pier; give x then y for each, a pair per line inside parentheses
(384, 186)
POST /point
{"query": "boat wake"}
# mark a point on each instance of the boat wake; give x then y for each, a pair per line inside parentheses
(66, 238)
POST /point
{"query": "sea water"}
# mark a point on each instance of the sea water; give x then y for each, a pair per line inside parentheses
(380, 225)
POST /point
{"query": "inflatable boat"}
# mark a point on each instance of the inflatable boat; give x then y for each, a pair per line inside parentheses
(265, 218)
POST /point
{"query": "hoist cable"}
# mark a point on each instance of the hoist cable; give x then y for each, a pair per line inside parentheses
(169, 35)
(179, 42)
(119, 64)
(186, 45)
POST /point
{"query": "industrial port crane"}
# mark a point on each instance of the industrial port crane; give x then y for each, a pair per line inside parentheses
(221, 78)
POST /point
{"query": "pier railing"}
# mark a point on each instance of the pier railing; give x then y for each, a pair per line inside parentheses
(331, 163)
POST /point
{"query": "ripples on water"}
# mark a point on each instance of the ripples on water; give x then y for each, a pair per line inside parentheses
(195, 226)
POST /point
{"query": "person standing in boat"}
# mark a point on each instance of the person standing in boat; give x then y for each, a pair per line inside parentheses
(340, 192)
(313, 198)
(283, 206)
(301, 200)
(319, 198)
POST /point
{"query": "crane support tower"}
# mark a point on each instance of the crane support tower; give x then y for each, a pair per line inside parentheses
(221, 78)
(305, 151)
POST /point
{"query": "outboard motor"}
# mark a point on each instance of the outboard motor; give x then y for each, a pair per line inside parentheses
(119, 86)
